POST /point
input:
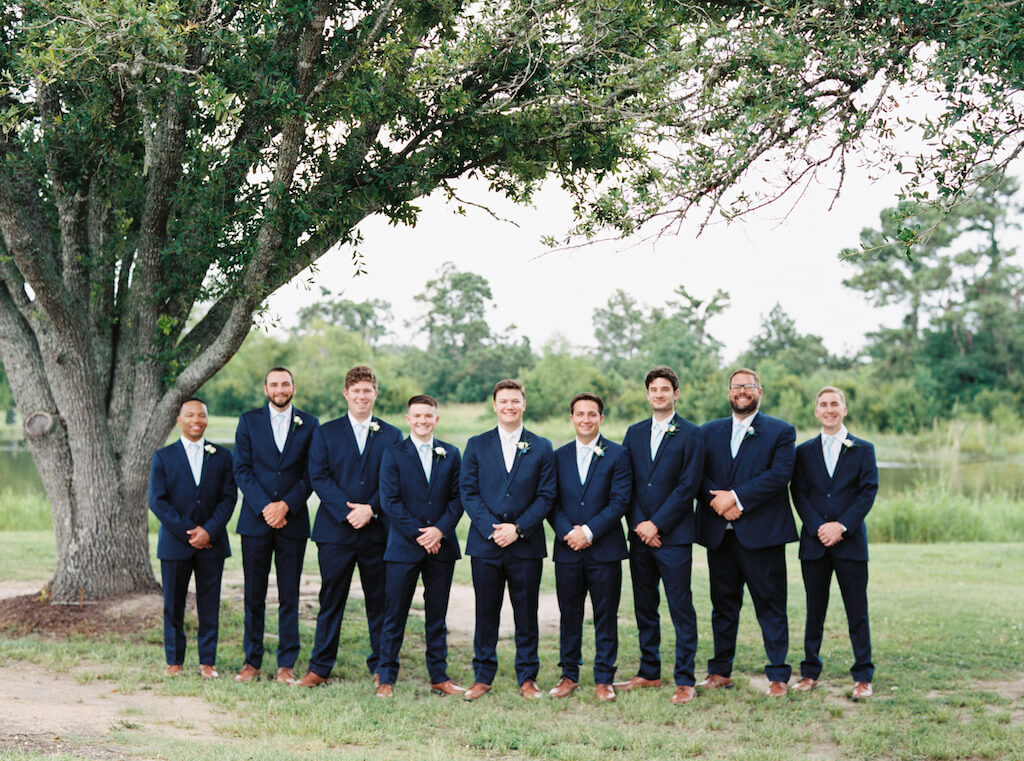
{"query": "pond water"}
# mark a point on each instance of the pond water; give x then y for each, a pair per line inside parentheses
(18, 474)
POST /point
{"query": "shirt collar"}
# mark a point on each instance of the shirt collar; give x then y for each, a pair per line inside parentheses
(418, 442)
(513, 435)
(744, 421)
(185, 443)
(355, 422)
(287, 411)
(841, 435)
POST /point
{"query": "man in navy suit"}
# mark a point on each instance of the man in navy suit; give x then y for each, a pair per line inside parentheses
(507, 486)
(744, 519)
(192, 492)
(271, 445)
(344, 469)
(419, 494)
(834, 487)
(667, 455)
(594, 485)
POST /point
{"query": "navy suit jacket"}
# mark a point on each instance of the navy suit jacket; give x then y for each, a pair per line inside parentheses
(664, 489)
(180, 505)
(523, 495)
(339, 474)
(846, 496)
(599, 502)
(265, 475)
(759, 475)
(410, 503)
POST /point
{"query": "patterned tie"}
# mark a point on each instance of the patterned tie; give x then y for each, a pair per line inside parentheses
(584, 463)
(656, 435)
(737, 438)
(426, 459)
(195, 460)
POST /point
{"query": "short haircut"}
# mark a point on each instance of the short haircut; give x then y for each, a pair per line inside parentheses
(830, 389)
(586, 396)
(747, 371)
(511, 383)
(278, 370)
(192, 399)
(422, 399)
(662, 372)
(360, 374)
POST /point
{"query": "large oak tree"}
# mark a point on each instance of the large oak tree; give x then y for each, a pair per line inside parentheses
(166, 165)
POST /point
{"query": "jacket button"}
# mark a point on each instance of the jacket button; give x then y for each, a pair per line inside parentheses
(649, 483)
(507, 494)
(581, 503)
(362, 482)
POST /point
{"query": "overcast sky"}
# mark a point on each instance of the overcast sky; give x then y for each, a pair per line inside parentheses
(777, 255)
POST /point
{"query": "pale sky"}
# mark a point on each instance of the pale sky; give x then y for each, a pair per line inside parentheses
(776, 255)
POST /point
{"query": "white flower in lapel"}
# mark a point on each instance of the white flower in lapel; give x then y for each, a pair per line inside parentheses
(671, 429)
(598, 450)
(849, 443)
(523, 447)
(374, 427)
(440, 453)
(296, 420)
(210, 449)
(750, 433)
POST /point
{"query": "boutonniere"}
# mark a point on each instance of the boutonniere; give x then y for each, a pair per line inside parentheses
(210, 449)
(671, 429)
(296, 420)
(751, 433)
(373, 427)
(598, 450)
(440, 453)
(523, 447)
(848, 443)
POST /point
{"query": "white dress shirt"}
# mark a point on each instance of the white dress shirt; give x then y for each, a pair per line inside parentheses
(509, 440)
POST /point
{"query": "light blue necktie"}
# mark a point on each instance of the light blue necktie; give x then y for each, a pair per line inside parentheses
(584, 463)
(831, 454)
(656, 435)
(195, 460)
(280, 422)
(360, 429)
(425, 458)
(737, 437)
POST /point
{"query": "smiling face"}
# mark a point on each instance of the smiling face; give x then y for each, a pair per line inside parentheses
(192, 420)
(360, 397)
(422, 419)
(662, 397)
(279, 388)
(744, 394)
(830, 411)
(509, 406)
(586, 419)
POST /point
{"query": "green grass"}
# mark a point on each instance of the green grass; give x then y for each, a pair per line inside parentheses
(945, 617)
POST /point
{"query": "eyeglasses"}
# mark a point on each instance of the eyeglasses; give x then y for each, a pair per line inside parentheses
(743, 386)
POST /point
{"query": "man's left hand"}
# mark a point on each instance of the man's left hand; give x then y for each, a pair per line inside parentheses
(359, 514)
(430, 539)
(198, 537)
(576, 539)
(648, 533)
(831, 533)
(276, 514)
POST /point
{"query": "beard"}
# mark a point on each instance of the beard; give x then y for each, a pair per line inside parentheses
(744, 407)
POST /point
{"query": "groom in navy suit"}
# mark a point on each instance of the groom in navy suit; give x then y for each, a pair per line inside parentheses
(192, 492)
(744, 519)
(419, 494)
(507, 485)
(834, 487)
(594, 486)
(349, 530)
(667, 455)
(271, 446)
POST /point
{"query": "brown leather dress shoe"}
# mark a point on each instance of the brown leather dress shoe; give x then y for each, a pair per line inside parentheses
(447, 687)
(862, 690)
(635, 683)
(564, 688)
(529, 690)
(173, 669)
(476, 690)
(385, 691)
(247, 674)
(206, 671)
(604, 692)
(714, 681)
(684, 694)
(776, 689)
(311, 679)
(805, 685)
(285, 676)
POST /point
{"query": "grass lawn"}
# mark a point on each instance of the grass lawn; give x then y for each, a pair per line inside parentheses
(948, 630)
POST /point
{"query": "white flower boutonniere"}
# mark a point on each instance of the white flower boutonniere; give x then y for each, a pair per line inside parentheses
(210, 449)
(598, 450)
(848, 443)
(751, 433)
(671, 429)
(374, 427)
(523, 447)
(296, 420)
(440, 453)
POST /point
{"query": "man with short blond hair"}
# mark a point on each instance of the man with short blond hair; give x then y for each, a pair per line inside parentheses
(834, 486)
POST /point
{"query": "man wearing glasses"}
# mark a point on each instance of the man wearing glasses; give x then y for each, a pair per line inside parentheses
(744, 519)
